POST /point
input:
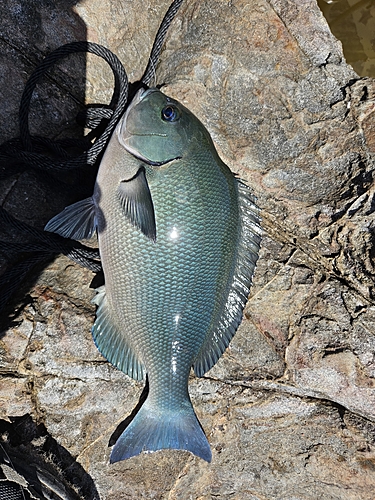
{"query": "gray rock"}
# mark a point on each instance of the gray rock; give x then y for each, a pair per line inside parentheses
(289, 410)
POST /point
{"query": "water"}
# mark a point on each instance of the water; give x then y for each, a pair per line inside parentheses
(353, 22)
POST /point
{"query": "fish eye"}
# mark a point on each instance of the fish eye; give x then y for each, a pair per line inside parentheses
(170, 113)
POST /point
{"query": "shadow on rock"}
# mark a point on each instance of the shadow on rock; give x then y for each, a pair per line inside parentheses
(124, 424)
(34, 466)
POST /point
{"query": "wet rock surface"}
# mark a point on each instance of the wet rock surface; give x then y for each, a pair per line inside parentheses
(289, 410)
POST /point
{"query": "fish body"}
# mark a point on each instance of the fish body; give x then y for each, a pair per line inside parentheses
(178, 237)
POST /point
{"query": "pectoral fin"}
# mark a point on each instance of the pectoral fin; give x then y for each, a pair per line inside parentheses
(77, 221)
(136, 202)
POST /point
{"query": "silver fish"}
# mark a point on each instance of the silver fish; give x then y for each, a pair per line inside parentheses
(179, 238)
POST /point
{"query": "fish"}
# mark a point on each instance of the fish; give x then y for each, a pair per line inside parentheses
(179, 237)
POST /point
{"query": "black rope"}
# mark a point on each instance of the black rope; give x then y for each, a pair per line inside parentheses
(11, 280)
(159, 41)
(46, 155)
(42, 241)
(43, 246)
(116, 107)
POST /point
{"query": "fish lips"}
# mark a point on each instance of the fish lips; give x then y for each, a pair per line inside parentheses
(135, 142)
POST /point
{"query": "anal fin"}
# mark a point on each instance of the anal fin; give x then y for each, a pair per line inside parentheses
(111, 341)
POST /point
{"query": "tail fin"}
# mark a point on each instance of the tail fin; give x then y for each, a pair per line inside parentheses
(152, 430)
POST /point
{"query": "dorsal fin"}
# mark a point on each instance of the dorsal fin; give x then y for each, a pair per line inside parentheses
(222, 333)
(111, 341)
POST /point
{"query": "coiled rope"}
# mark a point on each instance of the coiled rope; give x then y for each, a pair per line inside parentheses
(45, 155)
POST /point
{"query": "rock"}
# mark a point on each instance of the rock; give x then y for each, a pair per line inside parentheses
(289, 409)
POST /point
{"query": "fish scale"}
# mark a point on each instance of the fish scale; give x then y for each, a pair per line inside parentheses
(163, 285)
(179, 238)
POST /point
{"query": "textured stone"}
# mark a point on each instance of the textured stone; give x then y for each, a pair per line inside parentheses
(289, 410)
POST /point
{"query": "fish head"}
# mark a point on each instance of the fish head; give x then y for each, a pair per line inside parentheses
(158, 129)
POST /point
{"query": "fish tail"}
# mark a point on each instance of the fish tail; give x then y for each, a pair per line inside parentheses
(152, 430)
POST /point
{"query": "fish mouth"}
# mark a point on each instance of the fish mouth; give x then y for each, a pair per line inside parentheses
(139, 96)
(121, 132)
(145, 92)
(136, 99)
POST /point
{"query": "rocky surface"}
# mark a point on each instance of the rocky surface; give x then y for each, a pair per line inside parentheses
(289, 410)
